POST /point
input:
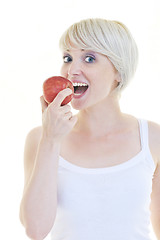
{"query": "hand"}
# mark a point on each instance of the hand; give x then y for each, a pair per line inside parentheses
(57, 120)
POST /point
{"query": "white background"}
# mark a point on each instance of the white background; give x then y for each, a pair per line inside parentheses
(29, 53)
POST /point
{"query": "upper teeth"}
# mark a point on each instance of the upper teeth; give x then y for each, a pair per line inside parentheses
(79, 84)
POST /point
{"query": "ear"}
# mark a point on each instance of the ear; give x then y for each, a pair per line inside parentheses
(118, 77)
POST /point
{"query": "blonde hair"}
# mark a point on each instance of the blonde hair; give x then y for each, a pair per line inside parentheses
(110, 38)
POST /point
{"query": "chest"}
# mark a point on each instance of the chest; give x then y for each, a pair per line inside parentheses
(98, 153)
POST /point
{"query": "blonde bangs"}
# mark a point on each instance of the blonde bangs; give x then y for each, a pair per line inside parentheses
(80, 35)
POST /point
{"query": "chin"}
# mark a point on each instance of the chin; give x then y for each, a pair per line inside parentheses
(78, 105)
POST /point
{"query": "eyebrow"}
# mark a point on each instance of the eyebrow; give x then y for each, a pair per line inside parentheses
(82, 49)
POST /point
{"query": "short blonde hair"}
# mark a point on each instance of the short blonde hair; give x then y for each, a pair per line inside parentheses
(110, 38)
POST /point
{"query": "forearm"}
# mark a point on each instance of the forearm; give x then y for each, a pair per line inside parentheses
(39, 203)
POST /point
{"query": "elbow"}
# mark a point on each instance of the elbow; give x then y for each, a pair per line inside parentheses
(35, 234)
(156, 226)
(37, 231)
(37, 225)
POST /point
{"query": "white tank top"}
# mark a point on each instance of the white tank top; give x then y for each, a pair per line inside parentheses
(109, 203)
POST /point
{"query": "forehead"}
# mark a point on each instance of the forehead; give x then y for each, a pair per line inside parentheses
(73, 47)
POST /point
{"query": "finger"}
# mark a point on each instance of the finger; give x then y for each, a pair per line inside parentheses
(65, 109)
(73, 119)
(44, 104)
(68, 115)
(61, 96)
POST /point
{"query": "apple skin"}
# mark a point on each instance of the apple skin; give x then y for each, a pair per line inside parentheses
(53, 85)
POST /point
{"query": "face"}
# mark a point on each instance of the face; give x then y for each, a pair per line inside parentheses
(92, 69)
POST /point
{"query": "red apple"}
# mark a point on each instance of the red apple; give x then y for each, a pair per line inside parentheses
(53, 85)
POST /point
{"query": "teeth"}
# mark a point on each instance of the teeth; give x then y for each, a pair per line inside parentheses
(79, 84)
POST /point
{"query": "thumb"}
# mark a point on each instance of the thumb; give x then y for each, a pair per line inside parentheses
(44, 104)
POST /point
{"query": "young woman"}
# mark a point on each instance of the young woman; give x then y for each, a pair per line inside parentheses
(95, 175)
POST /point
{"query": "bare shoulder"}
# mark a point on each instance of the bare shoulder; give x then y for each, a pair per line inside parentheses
(154, 139)
(30, 150)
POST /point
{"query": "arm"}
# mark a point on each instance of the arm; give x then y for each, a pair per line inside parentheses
(41, 155)
(39, 202)
(154, 138)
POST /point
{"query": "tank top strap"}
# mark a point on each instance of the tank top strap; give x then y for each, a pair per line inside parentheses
(143, 127)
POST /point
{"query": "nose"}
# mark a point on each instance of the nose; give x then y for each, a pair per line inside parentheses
(74, 68)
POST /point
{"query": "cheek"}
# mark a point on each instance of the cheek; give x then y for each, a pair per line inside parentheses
(63, 71)
(103, 82)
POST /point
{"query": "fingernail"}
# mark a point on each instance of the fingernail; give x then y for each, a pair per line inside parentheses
(69, 90)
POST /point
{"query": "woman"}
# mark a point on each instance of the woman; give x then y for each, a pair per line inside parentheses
(89, 176)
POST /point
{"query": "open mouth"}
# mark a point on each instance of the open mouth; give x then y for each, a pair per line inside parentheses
(80, 88)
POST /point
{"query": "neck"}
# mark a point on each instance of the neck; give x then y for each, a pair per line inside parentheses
(100, 119)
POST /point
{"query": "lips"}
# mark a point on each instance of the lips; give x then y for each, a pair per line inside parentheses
(80, 92)
(80, 88)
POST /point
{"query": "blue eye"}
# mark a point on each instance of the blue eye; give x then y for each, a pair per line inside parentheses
(67, 59)
(89, 59)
